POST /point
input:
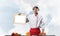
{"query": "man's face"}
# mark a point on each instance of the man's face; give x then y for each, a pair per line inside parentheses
(35, 10)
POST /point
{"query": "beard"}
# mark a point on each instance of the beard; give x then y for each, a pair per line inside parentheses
(36, 13)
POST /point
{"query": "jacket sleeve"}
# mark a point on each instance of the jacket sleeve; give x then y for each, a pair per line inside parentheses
(41, 23)
(27, 19)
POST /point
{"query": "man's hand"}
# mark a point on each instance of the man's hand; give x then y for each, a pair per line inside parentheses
(19, 14)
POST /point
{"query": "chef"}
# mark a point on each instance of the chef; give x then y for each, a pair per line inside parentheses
(35, 21)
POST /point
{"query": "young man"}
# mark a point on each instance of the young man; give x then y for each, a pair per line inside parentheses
(35, 20)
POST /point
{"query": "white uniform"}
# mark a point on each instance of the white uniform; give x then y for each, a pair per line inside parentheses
(33, 19)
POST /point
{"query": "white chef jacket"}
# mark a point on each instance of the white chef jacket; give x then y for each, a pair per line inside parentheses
(33, 19)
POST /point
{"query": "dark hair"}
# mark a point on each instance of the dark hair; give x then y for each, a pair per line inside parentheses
(35, 7)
